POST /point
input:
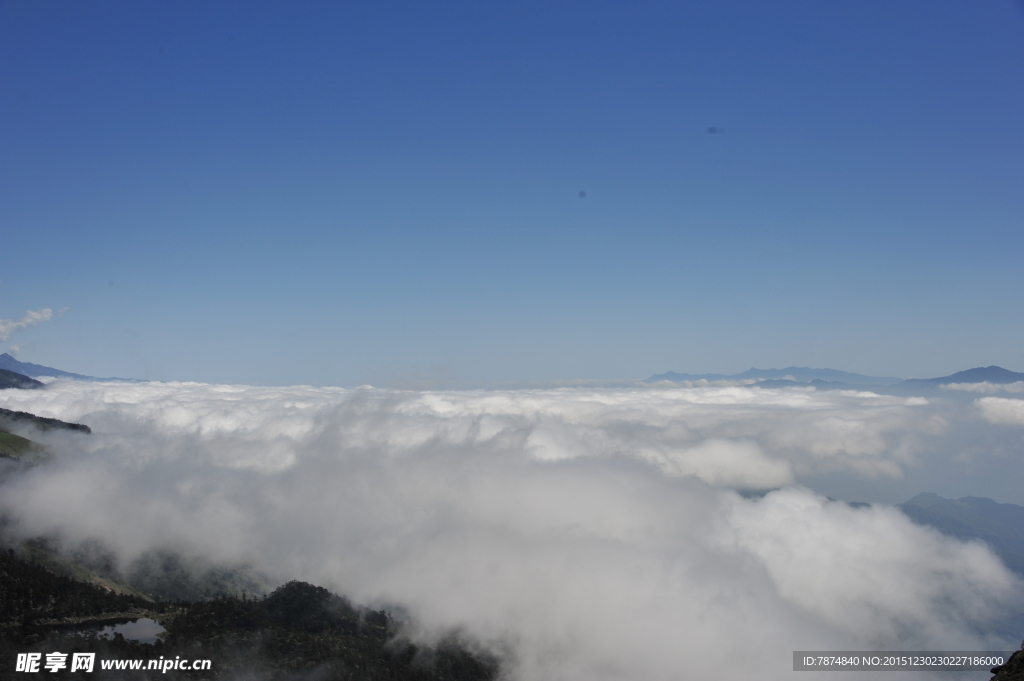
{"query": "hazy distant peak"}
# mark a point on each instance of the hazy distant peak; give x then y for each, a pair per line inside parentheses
(990, 374)
(834, 379)
(797, 374)
(8, 363)
(926, 500)
(29, 369)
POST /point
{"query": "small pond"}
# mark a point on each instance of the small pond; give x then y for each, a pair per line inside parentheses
(143, 630)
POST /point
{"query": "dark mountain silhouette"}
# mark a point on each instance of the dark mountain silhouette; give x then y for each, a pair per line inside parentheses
(300, 631)
(10, 419)
(12, 379)
(1013, 670)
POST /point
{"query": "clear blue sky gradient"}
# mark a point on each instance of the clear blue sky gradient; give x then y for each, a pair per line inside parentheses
(343, 193)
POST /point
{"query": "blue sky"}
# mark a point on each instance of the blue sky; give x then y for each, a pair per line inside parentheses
(343, 193)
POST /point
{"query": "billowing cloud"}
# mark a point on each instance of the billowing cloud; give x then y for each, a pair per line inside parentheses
(30, 318)
(583, 533)
(1002, 410)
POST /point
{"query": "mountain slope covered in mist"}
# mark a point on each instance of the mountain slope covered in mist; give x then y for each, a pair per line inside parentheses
(13, 419)
(999, 525)
(14, 446)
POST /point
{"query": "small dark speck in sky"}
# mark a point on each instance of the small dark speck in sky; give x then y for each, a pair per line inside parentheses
(583, 194)
(716, 131)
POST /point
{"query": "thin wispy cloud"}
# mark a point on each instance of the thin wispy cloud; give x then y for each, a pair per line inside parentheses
(30, 318)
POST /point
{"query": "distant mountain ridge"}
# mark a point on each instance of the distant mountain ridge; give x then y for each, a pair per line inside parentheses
(990, 374)
(29, 369)
(795, 374)
(833, 379)
(8, 363)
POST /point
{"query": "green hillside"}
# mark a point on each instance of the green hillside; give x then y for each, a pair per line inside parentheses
(14, 446)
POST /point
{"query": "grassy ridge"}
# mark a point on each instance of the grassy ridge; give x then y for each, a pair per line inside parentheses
(14, 446)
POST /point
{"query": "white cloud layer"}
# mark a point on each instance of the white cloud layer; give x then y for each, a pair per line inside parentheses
(594, 534)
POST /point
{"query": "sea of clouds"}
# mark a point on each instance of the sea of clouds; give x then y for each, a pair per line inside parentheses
(580, 533)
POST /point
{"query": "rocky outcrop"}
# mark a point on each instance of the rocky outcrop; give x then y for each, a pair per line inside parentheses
(1013, 670)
